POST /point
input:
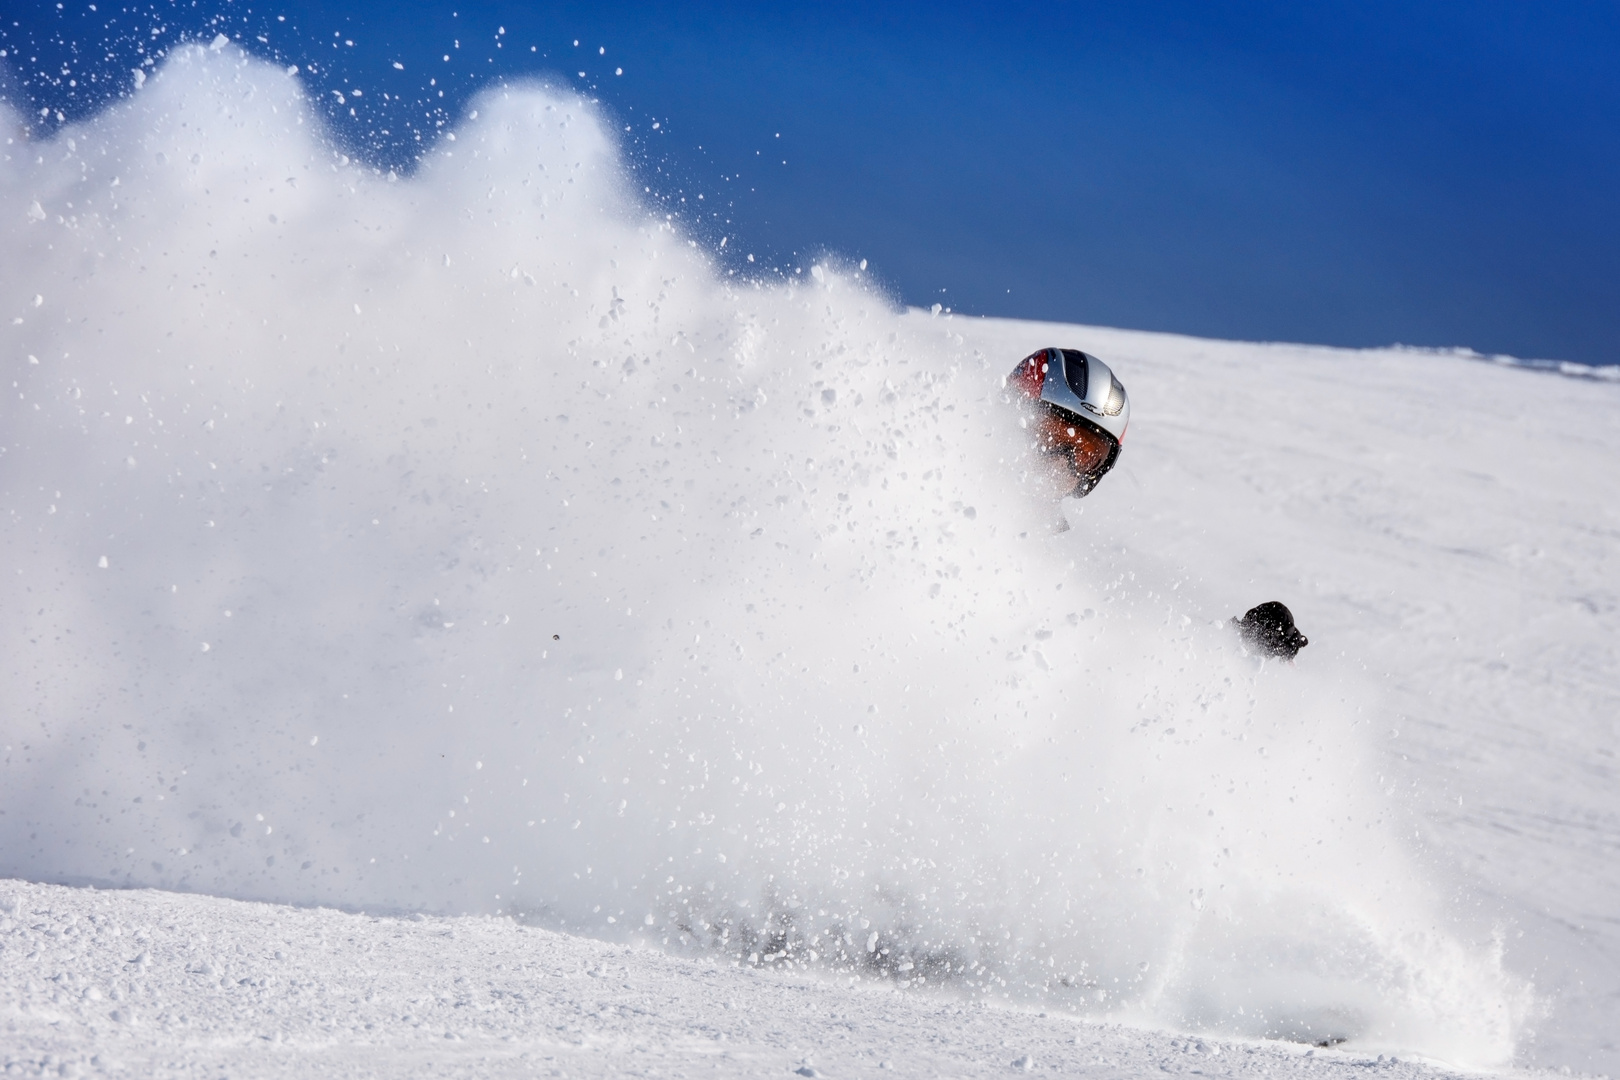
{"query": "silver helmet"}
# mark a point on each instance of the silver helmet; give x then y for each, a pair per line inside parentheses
(1083, 391)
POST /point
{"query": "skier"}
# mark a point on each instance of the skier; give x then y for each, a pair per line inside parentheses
(1080, 413)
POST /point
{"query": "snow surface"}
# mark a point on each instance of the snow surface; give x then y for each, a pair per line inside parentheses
(157, 984)
(473, 543)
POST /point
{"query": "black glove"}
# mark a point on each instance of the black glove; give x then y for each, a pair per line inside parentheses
(1269, 629)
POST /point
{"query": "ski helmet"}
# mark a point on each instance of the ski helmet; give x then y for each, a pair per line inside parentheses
(1081, 391)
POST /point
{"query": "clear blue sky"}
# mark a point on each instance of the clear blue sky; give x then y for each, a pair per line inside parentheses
(1356, 174)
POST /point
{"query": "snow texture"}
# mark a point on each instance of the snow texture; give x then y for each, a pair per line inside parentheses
(162, 985)
(470, 543)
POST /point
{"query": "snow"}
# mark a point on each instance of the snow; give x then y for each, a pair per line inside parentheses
(474, 545)
(141, 983)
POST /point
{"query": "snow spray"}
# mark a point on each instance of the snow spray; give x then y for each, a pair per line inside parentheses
(470, 542)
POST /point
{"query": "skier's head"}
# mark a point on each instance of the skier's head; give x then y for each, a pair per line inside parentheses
(1081, 411)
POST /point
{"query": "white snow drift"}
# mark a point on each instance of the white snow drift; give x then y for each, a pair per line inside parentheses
(469, 543)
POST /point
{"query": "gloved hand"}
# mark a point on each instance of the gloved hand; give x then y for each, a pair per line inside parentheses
(1269, 629)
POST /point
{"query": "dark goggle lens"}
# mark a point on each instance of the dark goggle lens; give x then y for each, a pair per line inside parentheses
(1087, 449)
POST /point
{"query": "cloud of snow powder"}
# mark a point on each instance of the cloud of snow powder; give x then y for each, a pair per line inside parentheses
(469, 542)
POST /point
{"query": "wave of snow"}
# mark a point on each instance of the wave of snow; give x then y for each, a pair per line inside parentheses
(468, 542)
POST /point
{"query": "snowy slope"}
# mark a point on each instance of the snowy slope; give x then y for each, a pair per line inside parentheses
(163, 985)
(474, 543)
(1452, 527)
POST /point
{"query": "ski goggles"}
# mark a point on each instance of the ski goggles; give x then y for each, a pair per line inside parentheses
(1085, 448)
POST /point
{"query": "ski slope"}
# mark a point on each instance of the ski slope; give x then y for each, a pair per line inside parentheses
(162, 985)
(477, 544)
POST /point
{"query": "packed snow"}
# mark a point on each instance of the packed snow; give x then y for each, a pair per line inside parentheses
(474, 544)
(160, 985)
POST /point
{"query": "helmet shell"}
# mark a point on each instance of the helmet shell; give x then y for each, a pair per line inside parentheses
(1083, 389)
(1088, 387)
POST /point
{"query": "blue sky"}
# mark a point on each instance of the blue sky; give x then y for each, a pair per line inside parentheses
(1357, 174)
